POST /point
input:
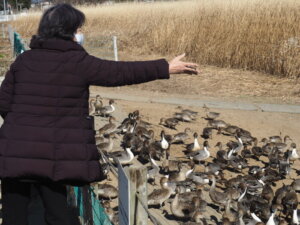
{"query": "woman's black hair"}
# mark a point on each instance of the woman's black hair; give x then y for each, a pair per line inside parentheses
(60, 21)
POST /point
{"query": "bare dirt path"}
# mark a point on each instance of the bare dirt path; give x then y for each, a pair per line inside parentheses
(233, 103)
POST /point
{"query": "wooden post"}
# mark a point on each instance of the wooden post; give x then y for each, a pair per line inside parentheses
(132, 180)
(138, 184)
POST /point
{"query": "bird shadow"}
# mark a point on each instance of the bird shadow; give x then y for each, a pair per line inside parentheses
(215, 207)
(214, 218)
(233, 170)
(173, 218)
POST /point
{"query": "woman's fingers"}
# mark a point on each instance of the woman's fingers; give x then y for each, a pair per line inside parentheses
(192, 65)
(191, 70)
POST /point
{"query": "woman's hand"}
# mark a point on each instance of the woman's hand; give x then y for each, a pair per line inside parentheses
(178, 66)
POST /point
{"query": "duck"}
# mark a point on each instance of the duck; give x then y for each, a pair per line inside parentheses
(107, 110)
(255, 187)
(142, 123)
(238, 162)
(149, 149)
(207, 132)
(188, 196)
(124, 157)
(210, 115)
(220, 198)
(256, 150)
(108, 128)
(217, 124)
(212, 168)
(164, 144)
(240, 144)
(267, 193)
(197, 219)
(230, 130)
(280, 194)
(153, 170)
(98, 104)
(107, 191)
(102, 139)
(271, 220)
(127, 125)
(92, 109)
(169, 123)
(252, 170)
(181, 175)
(296, 216)
(184, 210)
(284, 164)
(290, 200)
(296, 185)
(246, 152)
(278, 139)
(184, 117)
(255, 219)
(159, 196)
(113, 217)
(181, 137)
(282, 145)
(193, 146)
(294, 153)
(200, 155)
(136, 143)
(223, 156)
(198, 178)
(229, 214)
(108, 145)
(188, 111)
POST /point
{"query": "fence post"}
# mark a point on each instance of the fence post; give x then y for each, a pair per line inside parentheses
(3, 31)
(138, 184)
(11, 38)
(115, 48)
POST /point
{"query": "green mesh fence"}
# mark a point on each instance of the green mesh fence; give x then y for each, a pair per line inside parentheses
(89, 207)
(18, 44)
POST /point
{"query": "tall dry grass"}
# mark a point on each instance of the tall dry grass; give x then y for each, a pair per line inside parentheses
(262, 35)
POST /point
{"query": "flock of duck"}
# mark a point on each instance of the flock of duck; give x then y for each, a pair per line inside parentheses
(244, 182)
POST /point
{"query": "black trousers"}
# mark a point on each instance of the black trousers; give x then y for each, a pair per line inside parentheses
(16, 197)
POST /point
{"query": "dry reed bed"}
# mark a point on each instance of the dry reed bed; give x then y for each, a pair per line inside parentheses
(262, 35)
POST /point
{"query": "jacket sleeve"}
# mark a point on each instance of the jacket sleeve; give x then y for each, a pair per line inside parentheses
(111, 73)
(6, 92)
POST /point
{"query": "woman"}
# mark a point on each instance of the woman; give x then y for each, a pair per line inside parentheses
(47, 136)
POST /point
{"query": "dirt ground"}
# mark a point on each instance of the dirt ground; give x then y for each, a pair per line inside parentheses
(260, 124)
(215, 82)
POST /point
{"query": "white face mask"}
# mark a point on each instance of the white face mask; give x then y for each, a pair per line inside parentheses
(79, 38)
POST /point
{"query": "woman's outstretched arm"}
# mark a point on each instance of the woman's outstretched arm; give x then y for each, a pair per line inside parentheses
(111, 73)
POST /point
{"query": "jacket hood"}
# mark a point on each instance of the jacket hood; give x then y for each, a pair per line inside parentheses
(54, 44)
